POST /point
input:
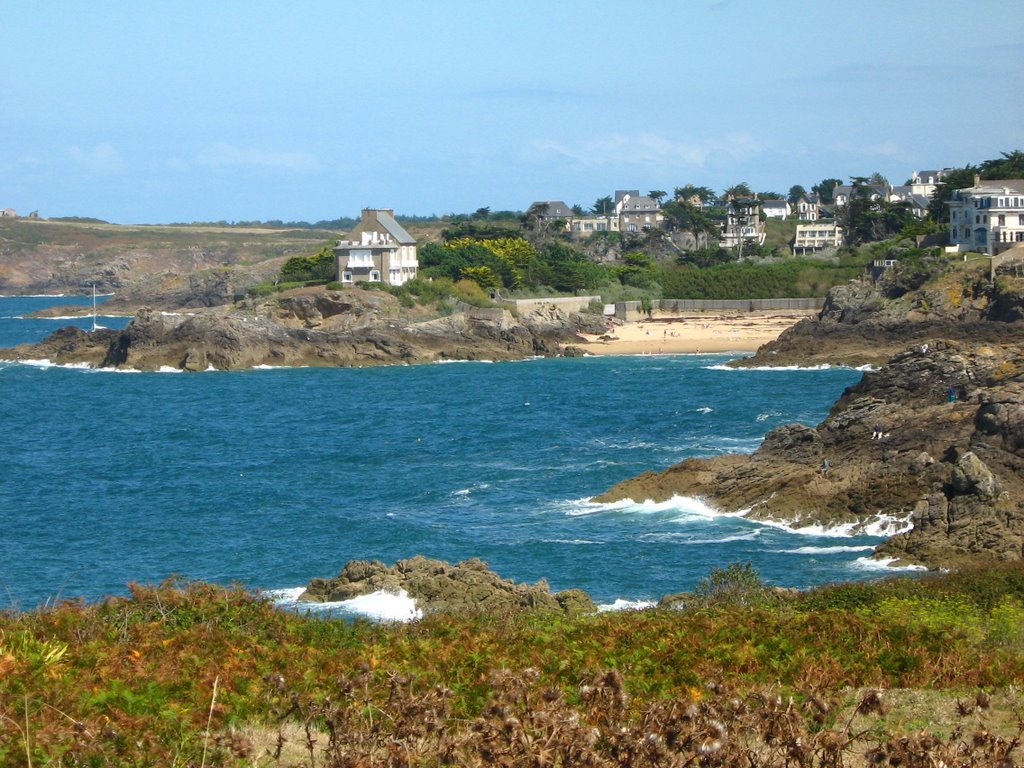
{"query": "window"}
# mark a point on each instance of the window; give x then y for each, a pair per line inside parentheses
(1002, 219)
(374, 276)
(346, 277)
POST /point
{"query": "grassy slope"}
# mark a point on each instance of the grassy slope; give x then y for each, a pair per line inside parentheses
(131, 681)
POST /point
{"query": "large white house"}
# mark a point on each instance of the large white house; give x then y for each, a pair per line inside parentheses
(817, 237)
(378, 250)
(988, 217)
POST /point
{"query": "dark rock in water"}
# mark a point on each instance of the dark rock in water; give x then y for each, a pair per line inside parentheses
(438, 586)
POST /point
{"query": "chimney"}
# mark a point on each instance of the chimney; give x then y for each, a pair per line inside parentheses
(977, 180)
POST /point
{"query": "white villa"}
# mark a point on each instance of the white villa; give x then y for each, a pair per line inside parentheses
(378, 250)
(988, 217)
(816, 237)
(776, 209)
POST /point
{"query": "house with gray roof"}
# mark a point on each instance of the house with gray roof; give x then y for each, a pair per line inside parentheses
(841, 194)
(776, 209)
(988, 217)
(378, 250)
(637, 212)
(551, 209)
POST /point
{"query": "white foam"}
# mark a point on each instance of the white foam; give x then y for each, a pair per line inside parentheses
(33, 295)
(690, 506)
(822, 367)
(47, 363)
(688, 540)
(570, 541)
(169, 369)
(705, 409)
(379, 606)
(883, 564)
(626, 605)
(825, 550)
(888, 525)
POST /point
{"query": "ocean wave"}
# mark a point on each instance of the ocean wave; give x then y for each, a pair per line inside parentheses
(825, 550)
(883, 564)
(704, 409)
(762, 368)
(626, 605)
(457, 362)
(574, 542)
(688, 540)
(691, 507)
(378, 606)
(765, 415)
(47, 363)
(881, 526)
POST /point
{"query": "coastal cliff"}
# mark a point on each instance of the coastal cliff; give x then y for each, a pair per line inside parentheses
(866, 322)
(351, 327)
(929, 447)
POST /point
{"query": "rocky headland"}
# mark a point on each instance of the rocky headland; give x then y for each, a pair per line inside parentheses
(311, 326)
(437, 587)
(930, 445)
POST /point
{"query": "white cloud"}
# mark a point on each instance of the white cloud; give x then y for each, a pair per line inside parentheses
(652, 149)
(223, 155)
(101, 158)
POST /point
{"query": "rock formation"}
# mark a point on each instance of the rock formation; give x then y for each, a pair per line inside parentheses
(311, 327)
(438, 586)
(866, 322)
(899, 450)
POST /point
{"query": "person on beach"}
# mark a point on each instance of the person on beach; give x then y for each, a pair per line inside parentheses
(952, 394)
(876, 433)
(825, 467)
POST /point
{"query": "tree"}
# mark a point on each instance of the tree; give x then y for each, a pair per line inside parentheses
(683, 216)
(795, 193)
(603, 206)
(878, 180)
(656, 195)
(739, 190)
(482, 213)
(483, 276)
(689, 192)
(577, 209)
(825, 189)
(865, 220)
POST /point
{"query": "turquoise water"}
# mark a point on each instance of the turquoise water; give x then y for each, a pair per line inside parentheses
(272, 477)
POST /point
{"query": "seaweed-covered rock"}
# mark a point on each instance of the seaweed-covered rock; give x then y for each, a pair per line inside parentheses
(438, 586)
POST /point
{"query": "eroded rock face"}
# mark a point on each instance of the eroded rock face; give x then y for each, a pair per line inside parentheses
(333, 328)
(438, 586)
(865, 323)
(897, 449)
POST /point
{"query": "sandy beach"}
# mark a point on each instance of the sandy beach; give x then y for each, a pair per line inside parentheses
(693, 333)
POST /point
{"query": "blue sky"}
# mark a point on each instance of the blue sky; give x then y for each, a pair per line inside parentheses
(152, 112)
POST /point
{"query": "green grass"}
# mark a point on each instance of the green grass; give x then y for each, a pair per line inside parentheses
(130, 681)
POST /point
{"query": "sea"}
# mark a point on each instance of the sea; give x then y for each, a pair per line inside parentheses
(267, 478)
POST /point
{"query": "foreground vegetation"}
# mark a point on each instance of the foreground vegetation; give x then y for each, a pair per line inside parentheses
(901, 672)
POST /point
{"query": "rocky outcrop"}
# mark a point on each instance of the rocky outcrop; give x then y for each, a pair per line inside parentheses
(438, 586)
(311, 327)
(866, 322)
(898, 450)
